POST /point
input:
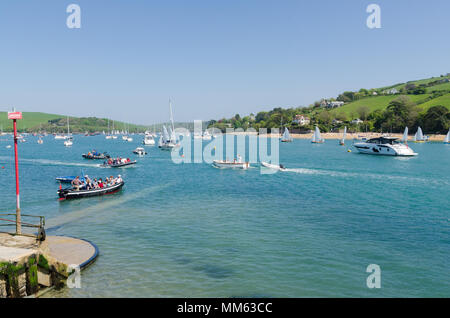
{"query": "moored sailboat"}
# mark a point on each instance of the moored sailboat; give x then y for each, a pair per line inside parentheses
(447, 138)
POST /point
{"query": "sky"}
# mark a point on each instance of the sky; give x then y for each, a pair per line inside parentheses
(213, 58)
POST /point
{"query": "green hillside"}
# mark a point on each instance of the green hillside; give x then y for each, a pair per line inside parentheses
(377, 103)
(52, 123)
(443, 101)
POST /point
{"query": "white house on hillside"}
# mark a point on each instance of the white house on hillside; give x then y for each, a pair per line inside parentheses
(301, 120)
(357, 121)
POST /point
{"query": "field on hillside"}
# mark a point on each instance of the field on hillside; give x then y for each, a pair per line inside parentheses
(35, 119)
(30, 119)
(373, 103)
(423, 81)
(440, 87)
(443, 101)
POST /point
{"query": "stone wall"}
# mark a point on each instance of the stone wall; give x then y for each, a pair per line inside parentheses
(26, 277)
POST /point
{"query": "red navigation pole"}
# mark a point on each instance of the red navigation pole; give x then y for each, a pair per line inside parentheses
(14, 116)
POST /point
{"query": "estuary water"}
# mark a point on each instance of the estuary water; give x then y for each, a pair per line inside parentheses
(191, 230)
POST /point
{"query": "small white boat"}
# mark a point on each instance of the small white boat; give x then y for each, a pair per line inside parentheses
(140, 151)
(8, 147)
(274, 167)
(129, 139)
(207, 135)
(286, 136)
(40, 141)
(447, 138)
(125, 138)
(148, 140)
(235, 164)
(68, 142)
(317, 138)
(60, 137)
(385, 146)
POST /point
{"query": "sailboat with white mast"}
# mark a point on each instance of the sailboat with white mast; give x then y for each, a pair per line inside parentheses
(447, 138)
(405, 136)
(317, 138)
(419, 137)
(69, 141)
(168, 141)
(286, 136)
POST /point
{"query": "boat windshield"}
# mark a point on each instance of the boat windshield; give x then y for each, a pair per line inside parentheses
(382, 141)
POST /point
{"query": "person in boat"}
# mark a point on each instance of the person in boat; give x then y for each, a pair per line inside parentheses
(100, 183)
(88, 182)
(95, 184)
(281, 166)
(76, 183)
(119, 179)
(112, 180)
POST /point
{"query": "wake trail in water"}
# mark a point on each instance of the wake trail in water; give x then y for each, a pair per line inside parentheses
(48, 162)
(103, 206)
(382, 177)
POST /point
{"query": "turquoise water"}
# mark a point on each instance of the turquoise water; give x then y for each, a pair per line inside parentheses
(191, 230)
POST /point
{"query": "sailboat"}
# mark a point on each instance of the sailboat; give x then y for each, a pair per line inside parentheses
(317, 138)
(447, 138)
(405, 136)
(342, 142)
(419, 137)
(207, 135)
(168, 140)
(69, 141)
(108, 136)
(113, 132)
(286, 136)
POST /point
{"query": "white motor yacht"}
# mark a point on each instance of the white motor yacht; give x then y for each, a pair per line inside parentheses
(387, 146)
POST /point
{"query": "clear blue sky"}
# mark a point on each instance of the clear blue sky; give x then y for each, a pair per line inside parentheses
(213, 58)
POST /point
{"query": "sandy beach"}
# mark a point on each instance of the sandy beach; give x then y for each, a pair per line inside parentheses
(350, 136)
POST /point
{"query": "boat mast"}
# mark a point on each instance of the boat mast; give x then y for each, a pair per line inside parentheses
(171, 115)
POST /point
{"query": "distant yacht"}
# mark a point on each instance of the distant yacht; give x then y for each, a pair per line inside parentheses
(447, 138)
(317, 138)
(207, 135)
(168, 141)
(387, 146)
(69, 140)
(148, 140)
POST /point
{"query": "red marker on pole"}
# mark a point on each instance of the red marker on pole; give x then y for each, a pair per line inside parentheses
(14, 116)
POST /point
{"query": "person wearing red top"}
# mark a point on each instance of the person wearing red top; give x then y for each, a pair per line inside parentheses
(100, 183)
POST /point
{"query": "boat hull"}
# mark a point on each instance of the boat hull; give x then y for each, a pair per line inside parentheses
(120, 165)
(91, 157)
(72, 194)
(231, 165)
(271, 166)
(384, 150)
